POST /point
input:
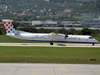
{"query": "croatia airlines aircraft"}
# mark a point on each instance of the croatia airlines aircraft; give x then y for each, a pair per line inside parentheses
(43, 37)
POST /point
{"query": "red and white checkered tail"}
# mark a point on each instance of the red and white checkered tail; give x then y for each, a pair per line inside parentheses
(9, 26)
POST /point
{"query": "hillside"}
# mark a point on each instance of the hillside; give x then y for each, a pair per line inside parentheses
(57, 5)
(47, 9)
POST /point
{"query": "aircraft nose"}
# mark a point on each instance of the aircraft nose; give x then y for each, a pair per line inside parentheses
(96, 41)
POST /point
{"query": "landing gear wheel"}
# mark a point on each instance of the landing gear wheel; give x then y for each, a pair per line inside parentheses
(51, 43)
(93, 44)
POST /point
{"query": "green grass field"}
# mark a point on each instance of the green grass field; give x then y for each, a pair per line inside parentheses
(48, 55)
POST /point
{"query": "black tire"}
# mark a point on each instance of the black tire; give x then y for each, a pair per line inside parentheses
(93, 44)
(51, 43)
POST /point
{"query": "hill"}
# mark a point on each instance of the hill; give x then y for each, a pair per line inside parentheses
(57, 5)
(47, 9)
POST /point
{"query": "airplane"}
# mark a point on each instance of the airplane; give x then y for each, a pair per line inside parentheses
(46, 37)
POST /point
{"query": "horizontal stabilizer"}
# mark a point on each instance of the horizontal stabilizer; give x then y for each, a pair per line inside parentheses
(7, 20)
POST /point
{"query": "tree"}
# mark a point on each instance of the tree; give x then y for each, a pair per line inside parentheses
(41, 30)
(86, 31)
(15, 24)
(71, 31)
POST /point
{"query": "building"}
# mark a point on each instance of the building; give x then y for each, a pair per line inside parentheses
(47, 22)
(67, 10)
(36, 22)
(25, 22)
(3, 7)
(73, 23)
(51, 22)
(47, 0)
(90, 23)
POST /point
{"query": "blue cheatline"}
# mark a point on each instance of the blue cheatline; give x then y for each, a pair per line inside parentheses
(60, 41)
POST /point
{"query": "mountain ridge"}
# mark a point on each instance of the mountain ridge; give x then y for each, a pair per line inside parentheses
(41, 4)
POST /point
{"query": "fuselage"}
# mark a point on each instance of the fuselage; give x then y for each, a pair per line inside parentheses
(41, 37)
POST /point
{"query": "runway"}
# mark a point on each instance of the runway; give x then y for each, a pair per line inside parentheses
(48, 69)
(48, 45)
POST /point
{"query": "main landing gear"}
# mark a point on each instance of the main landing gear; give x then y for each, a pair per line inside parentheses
(93, 44)
(51, 43)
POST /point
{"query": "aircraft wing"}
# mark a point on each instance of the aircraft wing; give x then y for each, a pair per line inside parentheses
(55, 36)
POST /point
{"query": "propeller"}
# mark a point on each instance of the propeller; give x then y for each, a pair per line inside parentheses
(65, 32)
(66, 36)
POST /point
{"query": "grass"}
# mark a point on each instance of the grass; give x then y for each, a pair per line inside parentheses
(8, 39)
(97, 38)
(48, 55)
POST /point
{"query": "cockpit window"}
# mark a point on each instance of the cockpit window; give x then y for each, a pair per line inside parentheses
(90, 37)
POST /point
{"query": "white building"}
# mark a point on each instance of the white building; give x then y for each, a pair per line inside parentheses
(47, 0)
(47, 22)
(36, 22)
(51, 22)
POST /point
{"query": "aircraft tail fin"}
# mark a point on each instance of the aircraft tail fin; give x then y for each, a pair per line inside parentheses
(8, 26)
(10, 29)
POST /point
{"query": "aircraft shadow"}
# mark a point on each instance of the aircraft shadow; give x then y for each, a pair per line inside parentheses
(61, 45)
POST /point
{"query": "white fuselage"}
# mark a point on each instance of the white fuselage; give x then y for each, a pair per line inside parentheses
(41, 37)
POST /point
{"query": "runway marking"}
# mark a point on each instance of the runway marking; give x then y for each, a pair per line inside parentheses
(63, 68)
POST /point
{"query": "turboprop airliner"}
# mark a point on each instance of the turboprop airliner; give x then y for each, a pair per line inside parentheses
(46, 37)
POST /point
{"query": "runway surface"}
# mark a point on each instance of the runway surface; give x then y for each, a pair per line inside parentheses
(48, 69)
(48, 45)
